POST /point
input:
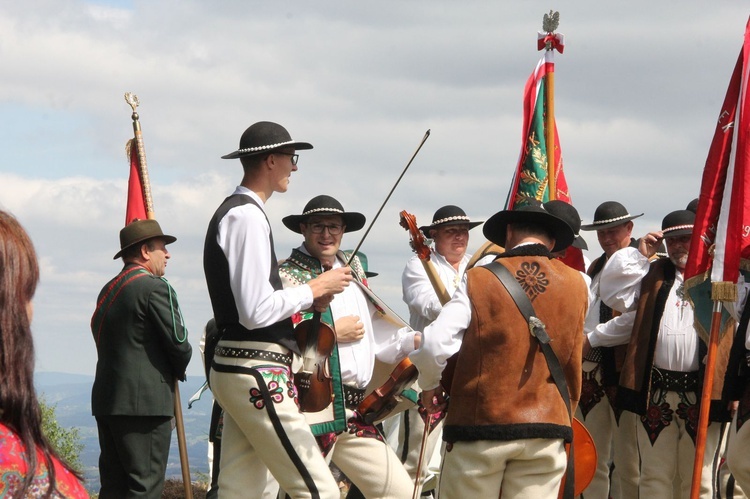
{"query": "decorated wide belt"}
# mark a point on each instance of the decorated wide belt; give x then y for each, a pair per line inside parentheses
(353, 396)
(674, 381)
(251, 353)
(594, 355)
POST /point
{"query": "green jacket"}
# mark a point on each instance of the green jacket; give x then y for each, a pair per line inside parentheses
(142, 345)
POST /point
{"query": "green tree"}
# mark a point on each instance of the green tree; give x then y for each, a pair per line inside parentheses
(66, 441)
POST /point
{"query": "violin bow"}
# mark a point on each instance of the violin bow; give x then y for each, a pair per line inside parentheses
(418, 482)
(359, 245)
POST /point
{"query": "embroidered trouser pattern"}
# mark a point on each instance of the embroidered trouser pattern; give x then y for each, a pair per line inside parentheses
(595, 412)
(264, 430)
(368, 461)
(666, 439)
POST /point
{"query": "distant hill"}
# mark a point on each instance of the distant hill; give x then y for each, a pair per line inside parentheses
(71, 396)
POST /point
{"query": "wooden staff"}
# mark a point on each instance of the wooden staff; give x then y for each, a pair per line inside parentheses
(132, 99)
(705, 403)
(549, 25)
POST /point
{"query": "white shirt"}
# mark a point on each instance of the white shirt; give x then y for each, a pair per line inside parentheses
(617, 330)
(677, 341)
(244, 235)
(382, 340)
(418, 293)
(442, 338)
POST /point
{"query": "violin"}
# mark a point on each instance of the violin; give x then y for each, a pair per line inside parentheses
(379, 404)
(316, 341)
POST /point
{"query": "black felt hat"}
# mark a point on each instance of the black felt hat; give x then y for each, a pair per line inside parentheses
(325, 205)
(678, 223)
(264, 137)
(494, 227)
(609, 214)
(567, 212)
(140, 231)
(448, 215)
(693, 206)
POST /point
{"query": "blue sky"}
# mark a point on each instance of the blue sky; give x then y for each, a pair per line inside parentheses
(638, 91)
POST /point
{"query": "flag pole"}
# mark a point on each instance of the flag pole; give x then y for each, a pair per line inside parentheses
(705, 403)
(550, 23)
(133, 101)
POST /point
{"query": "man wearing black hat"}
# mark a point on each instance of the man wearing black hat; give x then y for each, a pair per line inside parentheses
(607, 335)
(363, 335)
(507, 423)
(250, 374)
(142, 347)
(660, 379)
(449, 232)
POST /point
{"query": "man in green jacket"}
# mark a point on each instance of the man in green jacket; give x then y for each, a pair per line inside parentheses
(142, 348)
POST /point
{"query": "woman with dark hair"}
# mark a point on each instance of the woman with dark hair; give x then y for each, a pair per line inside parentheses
(29, 466)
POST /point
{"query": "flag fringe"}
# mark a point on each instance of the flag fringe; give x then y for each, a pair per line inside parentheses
(724, 291)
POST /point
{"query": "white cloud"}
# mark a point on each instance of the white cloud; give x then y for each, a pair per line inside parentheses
(638, 90)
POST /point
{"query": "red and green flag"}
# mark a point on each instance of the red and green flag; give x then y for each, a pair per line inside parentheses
(539, 173)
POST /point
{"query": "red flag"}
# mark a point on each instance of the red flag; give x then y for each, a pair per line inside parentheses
(723, 215)
(136, 208)
(533, 172)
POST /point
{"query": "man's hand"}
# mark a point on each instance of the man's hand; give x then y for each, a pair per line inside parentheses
(648, 244)
(586, 345)
(321, 304)
(330, 282)
(434, 400)
(349, 329)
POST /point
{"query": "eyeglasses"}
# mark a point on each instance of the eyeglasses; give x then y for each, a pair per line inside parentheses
(333, 229)
(293, 156)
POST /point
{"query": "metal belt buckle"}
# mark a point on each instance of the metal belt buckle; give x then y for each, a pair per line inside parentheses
(537, 329)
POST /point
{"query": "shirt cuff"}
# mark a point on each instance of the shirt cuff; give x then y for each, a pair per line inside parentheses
(303, 295)
(407, 335)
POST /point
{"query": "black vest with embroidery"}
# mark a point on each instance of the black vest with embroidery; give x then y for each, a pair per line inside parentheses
(216, 268)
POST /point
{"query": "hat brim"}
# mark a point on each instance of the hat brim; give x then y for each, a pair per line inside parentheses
(600, 226)
(677, 233)
(426, 228)
(167, 240)
(580, 243)
(240, 153)
(352, 220)
(495, 227)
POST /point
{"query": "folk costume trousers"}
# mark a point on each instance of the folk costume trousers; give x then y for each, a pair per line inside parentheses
(369, 462)
(524, 469)
(264, 429)
(411, 427)
(596, 413)
(134, 454)
(728, 488)
(738, 451)
(665, 440)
